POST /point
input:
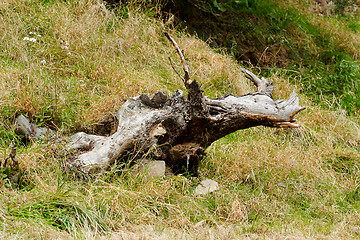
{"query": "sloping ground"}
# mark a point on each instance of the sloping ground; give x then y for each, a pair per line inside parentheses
(316, 41)
(84, 63)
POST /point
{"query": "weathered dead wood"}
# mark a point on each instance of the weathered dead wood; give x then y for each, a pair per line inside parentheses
(11, 157)
(176, 129)
(10, 167)
(198, 108)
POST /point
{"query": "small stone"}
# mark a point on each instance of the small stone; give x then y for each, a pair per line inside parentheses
(24, 127)
(153, 168)
(206, 186)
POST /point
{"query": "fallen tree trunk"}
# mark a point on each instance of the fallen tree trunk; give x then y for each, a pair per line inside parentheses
(177, 129)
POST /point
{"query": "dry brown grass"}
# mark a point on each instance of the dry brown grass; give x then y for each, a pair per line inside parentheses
(108, 60)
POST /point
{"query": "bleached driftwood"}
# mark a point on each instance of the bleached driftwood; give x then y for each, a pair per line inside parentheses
(176, 129)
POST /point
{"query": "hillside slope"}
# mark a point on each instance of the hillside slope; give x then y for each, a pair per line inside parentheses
(85, 62)
(315, 42)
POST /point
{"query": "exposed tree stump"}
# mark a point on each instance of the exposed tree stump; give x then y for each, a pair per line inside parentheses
(177, 129)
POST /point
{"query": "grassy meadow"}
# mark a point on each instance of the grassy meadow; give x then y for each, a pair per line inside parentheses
(67, 64)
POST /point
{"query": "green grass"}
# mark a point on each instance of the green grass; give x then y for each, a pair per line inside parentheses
(293, 35)
(328, 67)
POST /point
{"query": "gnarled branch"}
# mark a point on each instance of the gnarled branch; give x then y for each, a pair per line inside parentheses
(264, 85)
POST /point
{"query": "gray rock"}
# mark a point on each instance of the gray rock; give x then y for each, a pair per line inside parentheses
(206, 186)
(153, 168)
(24, 127)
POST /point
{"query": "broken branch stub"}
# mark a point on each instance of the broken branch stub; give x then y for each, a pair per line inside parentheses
(264, 85)
(176, 129)
(198, 108)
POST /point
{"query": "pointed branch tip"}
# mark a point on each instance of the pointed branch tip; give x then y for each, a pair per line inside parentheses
(182, 57)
